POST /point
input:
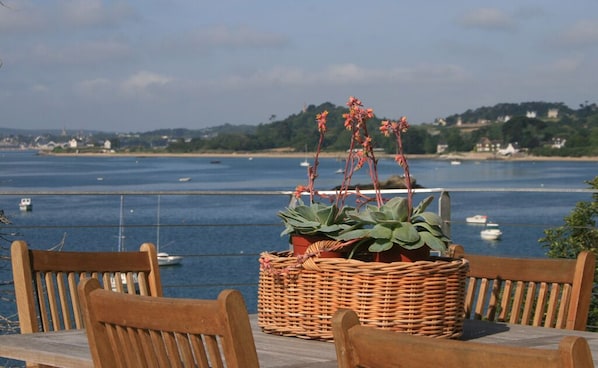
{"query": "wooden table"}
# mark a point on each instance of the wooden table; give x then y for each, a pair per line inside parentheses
(70, 349)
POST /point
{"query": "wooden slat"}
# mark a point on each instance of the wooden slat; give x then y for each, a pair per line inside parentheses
(223, 325)
(540, 292)
(46, 282)
(360, 346)
(528, 309)
(541, 306)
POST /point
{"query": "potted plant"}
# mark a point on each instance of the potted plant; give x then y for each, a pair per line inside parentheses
(392, 233)
(386, 228)
(298, 295)
(308, 223)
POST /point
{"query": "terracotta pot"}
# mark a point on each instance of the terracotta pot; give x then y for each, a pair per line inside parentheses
(300, 244)
(400, 254)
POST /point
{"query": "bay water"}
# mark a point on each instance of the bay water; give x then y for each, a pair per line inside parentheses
(198, 227)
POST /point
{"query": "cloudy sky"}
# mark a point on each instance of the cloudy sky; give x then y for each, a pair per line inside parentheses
(131, 66)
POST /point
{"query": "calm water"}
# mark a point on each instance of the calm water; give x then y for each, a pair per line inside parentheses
(92, 222)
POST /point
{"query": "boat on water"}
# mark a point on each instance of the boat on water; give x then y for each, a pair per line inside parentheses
(491, 232)
(305, 163)
(455, 162)
(185, 179)
(25, 204)
(477, 219)
(165, 259)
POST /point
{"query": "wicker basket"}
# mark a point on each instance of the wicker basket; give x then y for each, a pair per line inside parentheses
(421, 298)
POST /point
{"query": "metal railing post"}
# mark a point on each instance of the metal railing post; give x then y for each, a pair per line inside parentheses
(444, 211)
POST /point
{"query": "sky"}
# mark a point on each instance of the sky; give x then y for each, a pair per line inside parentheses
(136, 66)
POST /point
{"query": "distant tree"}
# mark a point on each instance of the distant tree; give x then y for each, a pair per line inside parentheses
(578, 233)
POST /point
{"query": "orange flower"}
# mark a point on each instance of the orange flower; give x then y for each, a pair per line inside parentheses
(321, 119)
(300, 189)
(403, 124)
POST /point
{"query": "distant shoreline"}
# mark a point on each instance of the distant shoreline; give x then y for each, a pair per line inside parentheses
(465, 156)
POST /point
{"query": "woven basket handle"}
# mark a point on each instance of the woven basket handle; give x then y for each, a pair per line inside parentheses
(314, 250)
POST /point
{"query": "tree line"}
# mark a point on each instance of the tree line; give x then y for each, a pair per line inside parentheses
(579, 128)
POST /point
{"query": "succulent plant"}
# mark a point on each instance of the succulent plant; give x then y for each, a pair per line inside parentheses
(316, 219)
(392, 224)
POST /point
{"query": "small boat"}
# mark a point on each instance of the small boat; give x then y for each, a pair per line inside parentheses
(455, 162)
(215, 162)
(184, 179)
(164, 259)
(477, 219)
(25, 204)
(305, 163)
(491, 232)
(340, 171)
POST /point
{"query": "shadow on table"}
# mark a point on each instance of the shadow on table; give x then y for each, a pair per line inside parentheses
(474, 329)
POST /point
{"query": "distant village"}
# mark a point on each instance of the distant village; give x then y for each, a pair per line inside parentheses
(485, 145)
(113, 142)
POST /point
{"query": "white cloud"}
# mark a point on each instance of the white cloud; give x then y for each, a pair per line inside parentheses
(40, 88)
(85, 53)
(583, 32)
(345, 74)
(235, 37)
(20, 17)
(93, 86)
(94, 12)
(487, 18)
(562, 66)
(143, 82)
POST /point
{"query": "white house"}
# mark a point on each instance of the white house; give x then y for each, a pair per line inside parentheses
(558, 143)
(553, 113)
(509, 150)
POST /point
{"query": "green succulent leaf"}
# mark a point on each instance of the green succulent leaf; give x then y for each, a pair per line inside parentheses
(380, 245)
(405, 234)
(421, 207)
(429, 218)
(434, 242)
(381, 232)
(396, 208)
(353, 234)
(434, 230)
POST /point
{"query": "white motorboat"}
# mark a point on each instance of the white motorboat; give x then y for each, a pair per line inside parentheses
(25, 204)
(185, 179)
(164, 259)
(477, 219)
(455, 162)
(491, 232)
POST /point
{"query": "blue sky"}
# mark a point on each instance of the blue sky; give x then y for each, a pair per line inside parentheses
(132, 66)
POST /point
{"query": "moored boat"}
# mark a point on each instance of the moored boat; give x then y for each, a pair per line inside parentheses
(164, 259)
(477, 219)
(25, 204)
(491, 232)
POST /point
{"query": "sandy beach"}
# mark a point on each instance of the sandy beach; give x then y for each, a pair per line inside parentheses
(464, 156)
